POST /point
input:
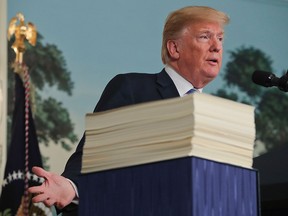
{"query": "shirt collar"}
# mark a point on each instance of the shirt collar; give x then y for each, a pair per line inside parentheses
(180, 82)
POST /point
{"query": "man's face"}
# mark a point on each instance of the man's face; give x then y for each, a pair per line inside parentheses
(200, 52)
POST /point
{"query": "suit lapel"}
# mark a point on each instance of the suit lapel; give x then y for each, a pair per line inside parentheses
(165, 85)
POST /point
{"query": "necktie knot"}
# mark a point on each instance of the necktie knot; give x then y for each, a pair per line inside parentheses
(191, 91)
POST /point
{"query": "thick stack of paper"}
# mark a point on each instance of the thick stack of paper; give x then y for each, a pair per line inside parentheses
(199, 125)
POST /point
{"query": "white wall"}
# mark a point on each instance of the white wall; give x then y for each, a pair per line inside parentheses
(3, 86)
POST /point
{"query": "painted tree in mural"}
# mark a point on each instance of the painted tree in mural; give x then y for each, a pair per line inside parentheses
(271, 119)
(47, 69)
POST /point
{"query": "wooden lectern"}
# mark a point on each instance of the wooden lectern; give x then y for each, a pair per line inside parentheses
(189, 186)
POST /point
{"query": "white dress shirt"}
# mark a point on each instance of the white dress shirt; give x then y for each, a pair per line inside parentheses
(182, 85)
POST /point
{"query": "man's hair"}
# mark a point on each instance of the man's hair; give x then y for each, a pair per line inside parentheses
(179, 19)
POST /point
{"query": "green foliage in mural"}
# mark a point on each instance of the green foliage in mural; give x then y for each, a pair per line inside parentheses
(47, 68)
(270, 104)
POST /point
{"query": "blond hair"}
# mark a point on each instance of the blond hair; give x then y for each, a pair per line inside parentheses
(177, 21)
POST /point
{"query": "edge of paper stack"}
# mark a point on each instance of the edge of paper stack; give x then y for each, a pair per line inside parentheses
(199, 125)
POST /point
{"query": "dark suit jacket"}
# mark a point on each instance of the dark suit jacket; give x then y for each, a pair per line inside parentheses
(123, 90)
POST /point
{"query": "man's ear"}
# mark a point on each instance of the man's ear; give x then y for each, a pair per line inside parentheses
(172, 47)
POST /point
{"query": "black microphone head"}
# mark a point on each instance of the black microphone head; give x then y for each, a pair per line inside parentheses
(264, 78)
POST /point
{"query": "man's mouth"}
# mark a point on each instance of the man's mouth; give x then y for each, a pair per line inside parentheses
(213, 61)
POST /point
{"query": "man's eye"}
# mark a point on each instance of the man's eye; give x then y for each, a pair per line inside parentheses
(204, 36)
(220, 39)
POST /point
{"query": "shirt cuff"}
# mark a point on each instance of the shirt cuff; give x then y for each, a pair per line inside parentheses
(76, 198)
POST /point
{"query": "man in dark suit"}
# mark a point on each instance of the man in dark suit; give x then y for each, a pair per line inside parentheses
(192, 49)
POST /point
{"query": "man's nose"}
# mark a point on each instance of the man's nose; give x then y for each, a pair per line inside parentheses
(216, 45)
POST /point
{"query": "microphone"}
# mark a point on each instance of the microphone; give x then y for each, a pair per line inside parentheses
(268, 79)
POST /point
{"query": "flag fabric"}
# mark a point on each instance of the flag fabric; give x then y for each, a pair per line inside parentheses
(13, 186)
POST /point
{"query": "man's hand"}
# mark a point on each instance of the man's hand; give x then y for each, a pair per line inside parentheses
(55, 190)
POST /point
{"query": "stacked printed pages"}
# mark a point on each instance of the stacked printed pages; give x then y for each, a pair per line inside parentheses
(199, 125)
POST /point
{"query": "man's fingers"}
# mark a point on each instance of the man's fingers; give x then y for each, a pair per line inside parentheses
(36, 189)
(44, 199)
(60, 205)
(40, 198)
(49, 202)
(40, 172)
